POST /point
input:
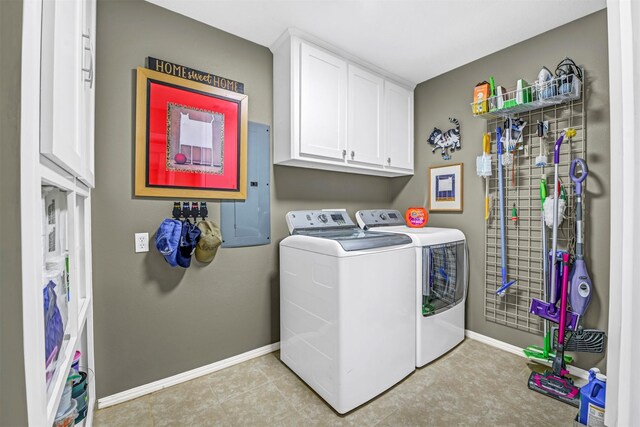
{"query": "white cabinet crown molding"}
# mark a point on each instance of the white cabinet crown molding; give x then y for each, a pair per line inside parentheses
(295, 32)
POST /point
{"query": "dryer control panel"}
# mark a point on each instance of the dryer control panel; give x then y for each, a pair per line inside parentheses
(318, 220)
(379, 218)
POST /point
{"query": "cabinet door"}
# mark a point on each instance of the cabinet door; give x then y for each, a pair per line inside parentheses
(61, 84)
(87, 127)
(364, 118)
(323, 81)
(398, 125)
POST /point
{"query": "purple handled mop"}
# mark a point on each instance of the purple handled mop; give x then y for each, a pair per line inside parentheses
(555, 383)
(580, 290)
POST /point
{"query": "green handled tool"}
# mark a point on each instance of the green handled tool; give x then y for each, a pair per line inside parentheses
(544, 353)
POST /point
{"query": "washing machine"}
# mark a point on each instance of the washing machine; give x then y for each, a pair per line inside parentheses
(347, 299)
(441, 281)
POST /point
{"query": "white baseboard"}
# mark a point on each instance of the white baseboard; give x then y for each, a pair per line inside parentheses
(136, 392)
(573, 370)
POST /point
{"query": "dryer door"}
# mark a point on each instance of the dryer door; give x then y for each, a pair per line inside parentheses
(444, 277)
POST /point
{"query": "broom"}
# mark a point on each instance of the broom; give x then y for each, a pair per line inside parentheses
(483, 169)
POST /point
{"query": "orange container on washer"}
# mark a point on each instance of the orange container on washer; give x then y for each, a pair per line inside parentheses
(416, 217)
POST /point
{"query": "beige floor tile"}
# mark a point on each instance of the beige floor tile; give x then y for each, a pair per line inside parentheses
(235, 380)
(375, 410)
(261, 406)
(271, 365)
(133, 413)
(169, 397)
(306, 402)
(472, 385)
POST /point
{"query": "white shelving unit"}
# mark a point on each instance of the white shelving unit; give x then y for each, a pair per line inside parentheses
(57, 163)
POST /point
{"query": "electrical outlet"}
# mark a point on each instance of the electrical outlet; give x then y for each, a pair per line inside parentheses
(142, 242)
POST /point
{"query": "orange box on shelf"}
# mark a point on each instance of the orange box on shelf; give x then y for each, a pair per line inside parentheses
(481, 98)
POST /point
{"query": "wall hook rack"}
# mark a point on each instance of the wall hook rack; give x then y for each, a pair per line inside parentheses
(186, 210)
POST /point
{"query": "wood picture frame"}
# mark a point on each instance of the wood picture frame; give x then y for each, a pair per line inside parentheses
(445, 188)
(191, 139)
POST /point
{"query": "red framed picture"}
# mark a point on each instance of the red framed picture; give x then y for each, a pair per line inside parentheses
(191, 139)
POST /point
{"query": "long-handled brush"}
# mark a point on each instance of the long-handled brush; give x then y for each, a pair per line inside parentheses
(503, 253)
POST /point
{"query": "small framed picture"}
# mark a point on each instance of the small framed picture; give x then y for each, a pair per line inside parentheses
(445, 188)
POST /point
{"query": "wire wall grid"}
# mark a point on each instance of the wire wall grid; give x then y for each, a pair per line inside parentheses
(524, 236)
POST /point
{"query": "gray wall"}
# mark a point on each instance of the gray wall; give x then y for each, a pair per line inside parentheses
(13, 403)
(449, 95)
(152, 321)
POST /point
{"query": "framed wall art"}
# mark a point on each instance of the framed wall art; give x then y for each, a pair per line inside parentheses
(191, 139)
(445, 188)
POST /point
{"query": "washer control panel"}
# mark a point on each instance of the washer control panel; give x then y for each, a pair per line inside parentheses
(318, 219)
(379, 218)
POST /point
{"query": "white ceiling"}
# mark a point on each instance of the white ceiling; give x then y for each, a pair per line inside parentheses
(413, 39)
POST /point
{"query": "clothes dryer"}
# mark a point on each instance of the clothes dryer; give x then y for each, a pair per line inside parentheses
(441, 281)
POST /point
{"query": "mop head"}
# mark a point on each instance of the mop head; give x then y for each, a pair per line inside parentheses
(483, 165)
(548, 211)
(559, 388)
(507, 159)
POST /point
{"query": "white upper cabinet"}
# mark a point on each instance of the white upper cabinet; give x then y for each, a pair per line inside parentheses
(61, 84)
(323, 102)
(398, 126)
(87, 125)
(333, 112)
(68, 85)
(364, 119)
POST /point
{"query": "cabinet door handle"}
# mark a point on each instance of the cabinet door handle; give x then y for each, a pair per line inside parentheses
(353, 154)
(389, 160)
(89, 70)
(344, 153)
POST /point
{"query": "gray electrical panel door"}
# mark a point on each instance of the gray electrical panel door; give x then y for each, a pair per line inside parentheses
(248, 222)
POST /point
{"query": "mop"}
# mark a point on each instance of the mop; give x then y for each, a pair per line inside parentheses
(547, 309)
(580, 291)
(505, 284)
(544, 353)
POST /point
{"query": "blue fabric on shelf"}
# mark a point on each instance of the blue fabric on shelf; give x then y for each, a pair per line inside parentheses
(53, 327)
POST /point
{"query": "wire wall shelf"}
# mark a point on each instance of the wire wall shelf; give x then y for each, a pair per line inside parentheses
(549, 93)
(524, 236)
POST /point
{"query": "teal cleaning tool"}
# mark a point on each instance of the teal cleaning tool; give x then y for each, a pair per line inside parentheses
(503, 253)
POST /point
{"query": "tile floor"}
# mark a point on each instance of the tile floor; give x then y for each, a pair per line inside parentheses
(473, 385)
